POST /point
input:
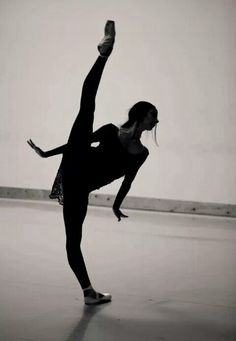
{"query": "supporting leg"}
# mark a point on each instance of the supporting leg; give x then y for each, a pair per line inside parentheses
(74, 211)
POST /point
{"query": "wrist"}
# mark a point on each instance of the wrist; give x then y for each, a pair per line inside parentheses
(115, 207)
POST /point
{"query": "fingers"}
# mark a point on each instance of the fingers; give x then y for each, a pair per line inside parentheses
(35, 148)
(119, 214)
(124, 216)
(31, 143)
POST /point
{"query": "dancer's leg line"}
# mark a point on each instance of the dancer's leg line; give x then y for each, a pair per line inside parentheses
(80, 135)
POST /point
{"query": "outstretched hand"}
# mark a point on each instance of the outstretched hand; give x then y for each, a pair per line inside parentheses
(119, 214)
(38, 150)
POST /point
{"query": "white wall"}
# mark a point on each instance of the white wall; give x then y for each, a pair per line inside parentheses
(180, 55)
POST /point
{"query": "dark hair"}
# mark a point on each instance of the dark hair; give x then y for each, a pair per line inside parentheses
(137, 113)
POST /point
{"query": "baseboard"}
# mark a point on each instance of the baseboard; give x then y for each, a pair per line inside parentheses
(137, 203)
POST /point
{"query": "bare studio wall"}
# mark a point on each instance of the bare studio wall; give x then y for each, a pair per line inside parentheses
(180, 55)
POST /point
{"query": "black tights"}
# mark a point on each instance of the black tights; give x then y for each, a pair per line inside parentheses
(74, 170)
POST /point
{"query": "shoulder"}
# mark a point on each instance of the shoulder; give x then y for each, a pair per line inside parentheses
(140, 158)
(145, 153)
(110, 127)
(113, 127)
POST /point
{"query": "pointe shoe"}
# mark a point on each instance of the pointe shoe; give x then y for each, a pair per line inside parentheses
(97, 299)
(106, 45)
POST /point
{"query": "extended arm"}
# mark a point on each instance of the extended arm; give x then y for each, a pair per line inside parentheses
(40, 152)
(97, 136)
(55, 151)
(124, 189)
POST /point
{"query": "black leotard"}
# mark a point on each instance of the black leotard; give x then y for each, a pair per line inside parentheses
(106, 162)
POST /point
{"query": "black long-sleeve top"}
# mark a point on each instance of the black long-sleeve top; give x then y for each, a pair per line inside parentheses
(108, 161)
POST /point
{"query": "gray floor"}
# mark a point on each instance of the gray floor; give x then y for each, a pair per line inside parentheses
(172, 276)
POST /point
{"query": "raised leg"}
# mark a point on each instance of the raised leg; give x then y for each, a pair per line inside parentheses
(80, 135)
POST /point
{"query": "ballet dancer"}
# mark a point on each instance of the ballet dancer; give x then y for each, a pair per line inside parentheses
(85, 168)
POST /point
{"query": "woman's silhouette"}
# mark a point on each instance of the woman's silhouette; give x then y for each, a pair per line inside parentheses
(85, 168)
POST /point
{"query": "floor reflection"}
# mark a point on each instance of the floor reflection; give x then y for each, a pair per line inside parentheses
(88, 313)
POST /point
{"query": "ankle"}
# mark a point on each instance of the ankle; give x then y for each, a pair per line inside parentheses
(103, 56)
(88, 291)
(88, 288)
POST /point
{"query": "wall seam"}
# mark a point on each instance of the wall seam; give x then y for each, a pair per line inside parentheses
(130, 202)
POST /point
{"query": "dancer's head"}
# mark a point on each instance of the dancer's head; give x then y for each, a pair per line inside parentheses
(144, 116)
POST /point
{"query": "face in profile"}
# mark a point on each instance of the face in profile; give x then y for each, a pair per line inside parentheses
(150, 120)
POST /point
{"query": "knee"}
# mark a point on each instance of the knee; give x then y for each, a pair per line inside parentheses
(73, 249)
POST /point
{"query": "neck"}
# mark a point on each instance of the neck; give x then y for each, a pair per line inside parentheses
(138, 133)
(133, 133)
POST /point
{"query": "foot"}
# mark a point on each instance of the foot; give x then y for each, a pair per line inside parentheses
(106, 45)
(92, 297)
